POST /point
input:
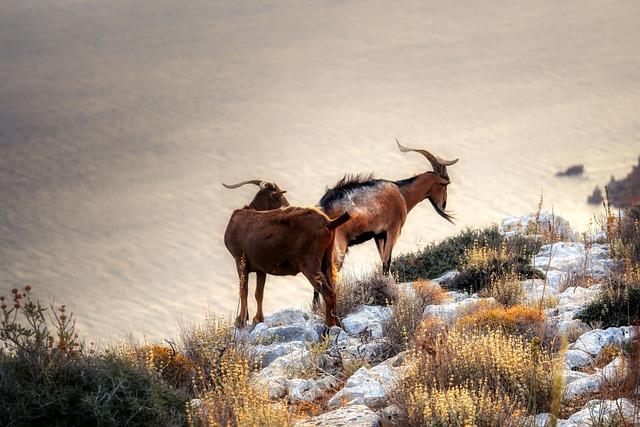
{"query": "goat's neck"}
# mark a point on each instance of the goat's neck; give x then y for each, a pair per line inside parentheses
(416, 191)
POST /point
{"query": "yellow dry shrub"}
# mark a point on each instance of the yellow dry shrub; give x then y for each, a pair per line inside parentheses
(174, 367)
(482, 256)
(466, 405)
(518, 319)
(506, 290)
(230, 399)
(428, 332)
(429, 292)
(484, 362)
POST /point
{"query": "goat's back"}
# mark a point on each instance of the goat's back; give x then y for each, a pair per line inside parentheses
(278, 241)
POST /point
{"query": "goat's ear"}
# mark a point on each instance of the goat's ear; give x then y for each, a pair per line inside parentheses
(444, 181)
(278, 194)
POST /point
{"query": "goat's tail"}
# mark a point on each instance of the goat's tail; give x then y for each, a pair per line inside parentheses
(337, 222)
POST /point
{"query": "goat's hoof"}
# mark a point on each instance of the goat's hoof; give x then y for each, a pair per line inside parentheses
(240, 323)
(257, 320)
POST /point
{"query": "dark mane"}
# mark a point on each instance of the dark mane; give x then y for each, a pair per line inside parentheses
(347, 183)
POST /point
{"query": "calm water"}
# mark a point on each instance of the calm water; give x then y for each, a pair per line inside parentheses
(120, 119)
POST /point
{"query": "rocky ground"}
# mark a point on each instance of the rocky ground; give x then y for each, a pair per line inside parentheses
(298, 365)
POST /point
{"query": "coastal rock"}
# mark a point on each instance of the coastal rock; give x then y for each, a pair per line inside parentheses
(615, 372)
(582, 386)
(592, 342)
(286, 316)
(347, 416)
(303, 390)
(533, 224)
(573, 256)
(445, 277)
(598, 412)
(367, 319)
(575, 359)
(367, 387)
(449, 311)
(285, 333)
(268, 353)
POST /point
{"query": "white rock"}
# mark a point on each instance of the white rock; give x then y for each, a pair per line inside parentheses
(598, 412)
(451, 310)
(582, 386)
(526, 224)
(543, 420)
(577, 359)
(367, 387)
(445, 277)
(573, 299)
(615, 372)
(348, 416)
(268, 353)
(286, 316)
(367, 319)
(303, 390)
(535, 289)
(593, 341)
(571, 376)
(274, 377)
(373, 350)
(572, 257)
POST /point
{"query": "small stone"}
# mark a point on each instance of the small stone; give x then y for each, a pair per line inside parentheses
(287, 316)
(582, 386)
(367, 319)
(303, 390)
(575, 359)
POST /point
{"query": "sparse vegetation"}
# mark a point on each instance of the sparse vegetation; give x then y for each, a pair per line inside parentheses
(506, 290)
(351, 292)
(48, 377)
(449, 254)
(520, 320)
(407, 312)
(493, 378)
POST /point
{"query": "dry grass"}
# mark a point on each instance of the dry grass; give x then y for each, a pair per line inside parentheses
(405, 317)
(351, 292)
(229, 399)
(483, 378)
(521, 320)
(507, 290)
(428, 332)
(429, 292)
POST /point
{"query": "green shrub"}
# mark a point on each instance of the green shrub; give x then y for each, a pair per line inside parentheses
(618, 304)
(437, 258)
(48, 378)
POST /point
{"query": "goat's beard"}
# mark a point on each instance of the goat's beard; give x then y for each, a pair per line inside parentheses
(440, 212)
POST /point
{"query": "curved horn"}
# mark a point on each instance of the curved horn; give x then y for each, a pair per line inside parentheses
(436, 162)
(240, 184)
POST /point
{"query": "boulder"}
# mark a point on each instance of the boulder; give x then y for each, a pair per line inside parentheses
(348, 416)
(268, 353)
(571, 376)
(599, 412)
(446, 277)
(528, 224)
(575, 359)
(592, 342)
(285, 333)
(367, 319)
(450, 311)
(303, 390)
(534, 289)
(367, 387)
(615, 372)
(582, 386)
(286, 316)
(573, 256)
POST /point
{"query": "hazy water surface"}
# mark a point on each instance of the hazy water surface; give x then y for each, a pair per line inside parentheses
(120, 119)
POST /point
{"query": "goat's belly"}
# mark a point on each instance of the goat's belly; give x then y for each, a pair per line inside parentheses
(282, 267)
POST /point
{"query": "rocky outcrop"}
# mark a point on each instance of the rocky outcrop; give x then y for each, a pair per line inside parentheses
(347, 416)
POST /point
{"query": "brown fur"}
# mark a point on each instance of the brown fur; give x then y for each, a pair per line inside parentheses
(379, 207)
(283, 242)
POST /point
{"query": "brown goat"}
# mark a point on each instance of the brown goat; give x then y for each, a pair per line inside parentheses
(379, 208)
(283, 242)
(268, 197)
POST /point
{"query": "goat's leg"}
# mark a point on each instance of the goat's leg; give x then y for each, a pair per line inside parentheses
(243, 275)
(381, 240)
(261, 277)
(391, 238)
(340, 247)
(322, 286)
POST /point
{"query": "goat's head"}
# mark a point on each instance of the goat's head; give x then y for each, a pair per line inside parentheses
(436, 193)
(268, 197)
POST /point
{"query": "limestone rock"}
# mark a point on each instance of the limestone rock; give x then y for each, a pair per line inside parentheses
(367, 386)
(303, 390)
(575, 359)
(348, 416)
(367, 319)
